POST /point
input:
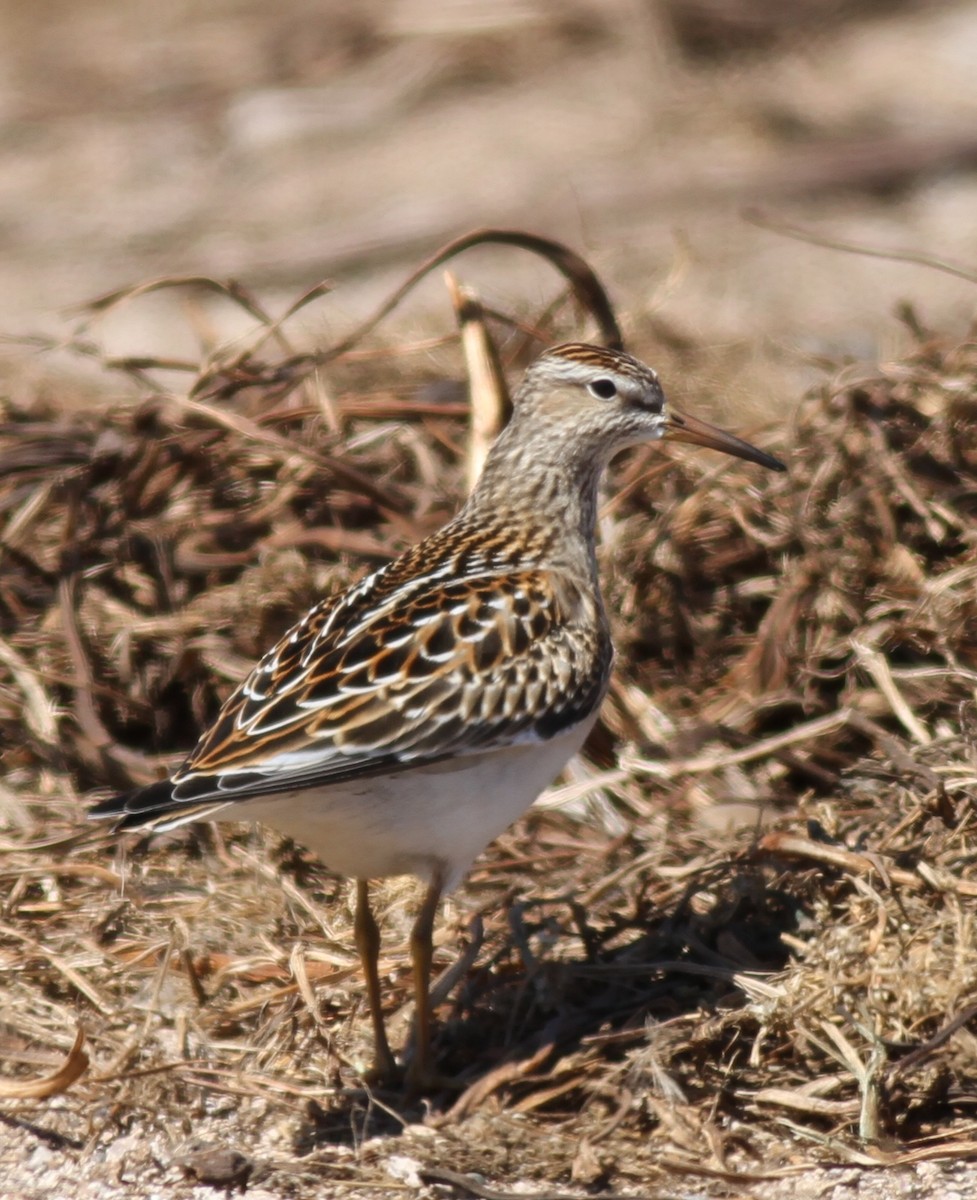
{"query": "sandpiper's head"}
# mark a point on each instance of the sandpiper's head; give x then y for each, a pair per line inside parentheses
(611, 400)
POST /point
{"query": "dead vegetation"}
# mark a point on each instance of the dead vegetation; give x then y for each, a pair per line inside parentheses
(737, 941)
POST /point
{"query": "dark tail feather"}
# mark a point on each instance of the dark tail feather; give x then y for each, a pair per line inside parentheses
(141, 807)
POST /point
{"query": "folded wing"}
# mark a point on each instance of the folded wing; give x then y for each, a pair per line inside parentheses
(436, 669)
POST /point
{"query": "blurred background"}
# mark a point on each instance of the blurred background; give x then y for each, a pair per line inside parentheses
(321, 139)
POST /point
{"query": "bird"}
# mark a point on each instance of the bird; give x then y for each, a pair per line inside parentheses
(404, 723)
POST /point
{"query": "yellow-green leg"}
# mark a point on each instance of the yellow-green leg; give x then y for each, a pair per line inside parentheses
(368, 943)
(421, 1075)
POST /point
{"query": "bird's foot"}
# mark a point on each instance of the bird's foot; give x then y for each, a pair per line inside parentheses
(385, 1074)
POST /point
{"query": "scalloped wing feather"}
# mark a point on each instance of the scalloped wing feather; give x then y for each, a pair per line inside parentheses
(433, 670)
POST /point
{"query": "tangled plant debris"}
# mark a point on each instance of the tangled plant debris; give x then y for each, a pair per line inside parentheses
(738, 939)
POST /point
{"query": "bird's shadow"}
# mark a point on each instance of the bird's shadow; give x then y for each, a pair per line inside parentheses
(562, 980)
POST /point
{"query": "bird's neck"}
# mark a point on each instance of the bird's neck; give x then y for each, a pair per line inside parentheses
(546, 486)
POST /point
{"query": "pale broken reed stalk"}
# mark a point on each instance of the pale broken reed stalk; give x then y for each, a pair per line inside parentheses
(402, 724)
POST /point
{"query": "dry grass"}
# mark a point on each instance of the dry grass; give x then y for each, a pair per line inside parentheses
(744, 940)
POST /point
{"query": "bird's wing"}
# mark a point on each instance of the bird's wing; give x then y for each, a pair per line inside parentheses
(437, 670)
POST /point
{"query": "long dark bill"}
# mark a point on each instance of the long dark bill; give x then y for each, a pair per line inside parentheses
(700, 433)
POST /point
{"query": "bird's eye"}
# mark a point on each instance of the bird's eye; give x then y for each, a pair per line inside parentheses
(603, 389)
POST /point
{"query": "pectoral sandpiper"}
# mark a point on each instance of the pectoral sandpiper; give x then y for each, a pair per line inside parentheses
(403, 724)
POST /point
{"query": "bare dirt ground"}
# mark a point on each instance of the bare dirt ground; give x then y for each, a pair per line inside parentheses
(725, 1015)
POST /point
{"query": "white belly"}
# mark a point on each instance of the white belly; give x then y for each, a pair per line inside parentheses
(436, 818)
